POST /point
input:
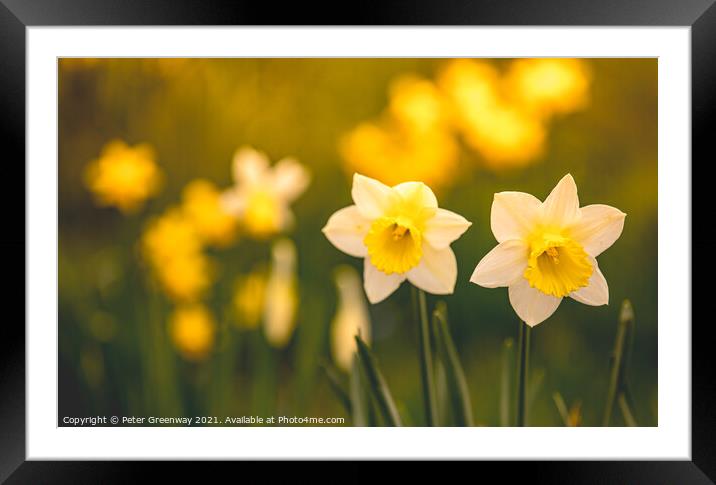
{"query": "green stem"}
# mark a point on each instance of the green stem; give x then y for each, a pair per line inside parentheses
(426, 357)
(507, 380)
(523, 367)
(626, 318)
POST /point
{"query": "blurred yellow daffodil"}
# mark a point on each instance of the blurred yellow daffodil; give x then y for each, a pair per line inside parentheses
(123, 177)
(249, 298)
(401, 233)
(391, 153)
(192, 330)
(172, 247)
(417, 104)
(351, 319)
(203, 208)
(262, 194)
(547, 250)
(281, 297)
(548, 86)
(169, 235)
(185, 278)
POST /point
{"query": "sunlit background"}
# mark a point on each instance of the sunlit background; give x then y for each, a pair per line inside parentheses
(186, 290)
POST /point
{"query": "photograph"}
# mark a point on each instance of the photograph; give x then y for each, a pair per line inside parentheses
(357, 241)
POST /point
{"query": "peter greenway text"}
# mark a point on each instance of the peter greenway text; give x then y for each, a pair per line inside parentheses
(199, 420)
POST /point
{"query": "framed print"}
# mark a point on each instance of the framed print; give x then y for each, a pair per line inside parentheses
(454, 233)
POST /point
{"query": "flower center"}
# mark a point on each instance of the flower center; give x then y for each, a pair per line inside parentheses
(394, 244)
(557, 265)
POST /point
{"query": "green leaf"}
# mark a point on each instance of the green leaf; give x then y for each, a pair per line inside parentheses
(359, 404)
(376, 385)
(454, 373)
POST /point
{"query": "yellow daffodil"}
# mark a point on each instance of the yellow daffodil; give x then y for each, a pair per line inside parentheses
(262, 194)
(123, 176)
(185, 278)
(548, 86)
(203, 208)
(401, 233)
(249, 297)
(170, 235)
(395, 154)
(351, 318)
(281, 298)
(417, 104)
(172, 247)
(506, 137)
(547, 250)
(192, 330)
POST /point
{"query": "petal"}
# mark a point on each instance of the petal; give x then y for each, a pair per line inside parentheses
(249, 166)
(503, 265)
(598, 227)
(561, 207)
(437, 271)
(418, 193)
(346, 229)
(444, 228)
(596, 293)
(290, 179)
(373, 198)
(378, 285)
(513, 215)
(531, 305)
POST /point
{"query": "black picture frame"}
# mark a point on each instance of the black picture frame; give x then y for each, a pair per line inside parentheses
(16, 15)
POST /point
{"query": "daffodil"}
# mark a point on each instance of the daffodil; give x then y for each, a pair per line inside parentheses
(262, 194)
(547, 250)
(124, 176)
(401, 233)
(281, 297)
(202, 206)
(395, 153)
(351, 318)
(172, 248)
(417, 104)
(548, 86)
(192, 330)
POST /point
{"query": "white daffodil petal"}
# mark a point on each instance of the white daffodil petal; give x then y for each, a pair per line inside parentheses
(249, 166)
(596, 293)
(418, 192)
(290, 179)
(561, 207)
(233, 202)
(598, 227)
(503, 265)
(513, 215)
(437, 271)
(378, 285)
(531, 305)
(444, 228)
(372, 197)
(346, 230)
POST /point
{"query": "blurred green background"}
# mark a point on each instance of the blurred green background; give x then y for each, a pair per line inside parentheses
(116, 357)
